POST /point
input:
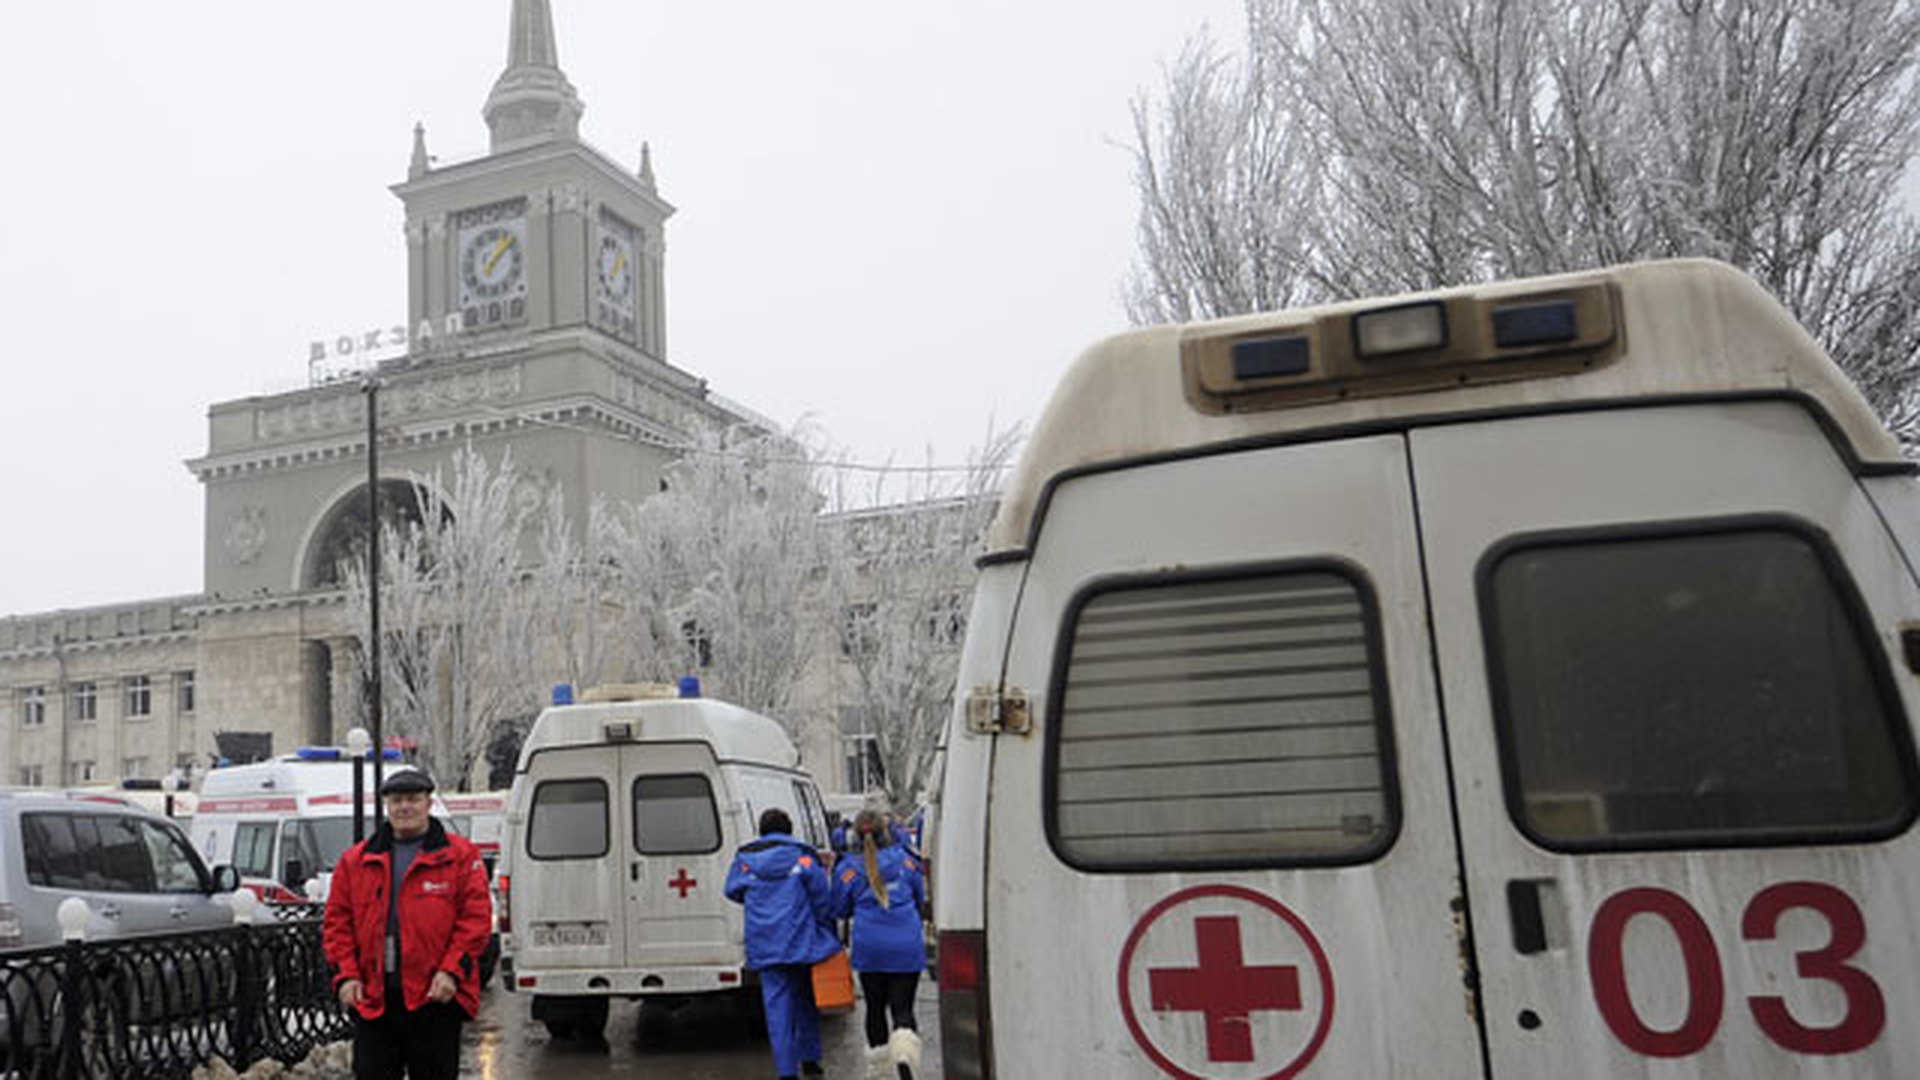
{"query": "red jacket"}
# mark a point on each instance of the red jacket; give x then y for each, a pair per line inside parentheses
(446, 917)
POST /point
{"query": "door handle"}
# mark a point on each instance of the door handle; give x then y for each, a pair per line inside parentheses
(109, 911)
(633, 870)
(1527, 915)
(176, 913)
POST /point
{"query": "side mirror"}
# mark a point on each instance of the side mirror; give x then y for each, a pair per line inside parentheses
(294, 874)
(225, 879)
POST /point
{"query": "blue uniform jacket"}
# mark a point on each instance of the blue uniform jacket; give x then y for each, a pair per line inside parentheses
(889, 938)
(789, 901)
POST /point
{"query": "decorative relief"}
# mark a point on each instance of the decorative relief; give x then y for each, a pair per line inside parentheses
(246, 535)
(569, 197)
(649, 401)
(437, 227)
(349, 410)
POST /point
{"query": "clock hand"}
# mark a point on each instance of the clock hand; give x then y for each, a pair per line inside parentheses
(498, 250)
(620, 263)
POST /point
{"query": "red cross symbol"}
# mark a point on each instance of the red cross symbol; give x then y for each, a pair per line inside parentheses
(1224, 988)
(684, 883)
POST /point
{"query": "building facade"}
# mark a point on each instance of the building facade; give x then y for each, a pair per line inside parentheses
(536, 328)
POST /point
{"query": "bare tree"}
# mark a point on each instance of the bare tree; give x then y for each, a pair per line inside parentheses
(1431, 142)
(904, 573)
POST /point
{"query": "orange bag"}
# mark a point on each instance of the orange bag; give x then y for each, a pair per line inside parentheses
(833, 985)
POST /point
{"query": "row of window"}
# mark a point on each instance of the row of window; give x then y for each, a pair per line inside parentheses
(87, 772)
(672, 815)
(1649, 691)
(83, 699)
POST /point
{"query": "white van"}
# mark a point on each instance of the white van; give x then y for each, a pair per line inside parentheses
(624, 812)
(285, 821)
(1506, 682)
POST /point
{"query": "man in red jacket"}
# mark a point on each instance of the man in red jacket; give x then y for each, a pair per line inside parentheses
(407, 917)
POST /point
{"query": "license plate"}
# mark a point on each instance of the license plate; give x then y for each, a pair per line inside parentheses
(554, 936)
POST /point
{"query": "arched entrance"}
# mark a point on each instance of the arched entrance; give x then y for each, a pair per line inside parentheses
(341, 539)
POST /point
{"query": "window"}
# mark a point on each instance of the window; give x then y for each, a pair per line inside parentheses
(183, 692)
(139, 696)
(568, 820)
(865, 771)
(95, 852)
(699, 643)
(31, 775)
(176, 869)
(1222, 721)
(859, 629)
(134, 768)
(85, 697)
(1703, 689)
(253, 849)
(33, 706)
(674, 815)
(81, 772)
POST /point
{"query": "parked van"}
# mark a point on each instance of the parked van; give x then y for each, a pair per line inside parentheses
(135, 869)
(1503, 682)
(624, 812)
(285, 821)
(481, 817)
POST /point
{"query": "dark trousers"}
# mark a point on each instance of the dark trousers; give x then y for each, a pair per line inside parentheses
(793, 1024)
(419, 1044)
(888, 992)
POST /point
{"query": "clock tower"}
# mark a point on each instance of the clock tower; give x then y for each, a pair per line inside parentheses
(535, 331)
(545, 234)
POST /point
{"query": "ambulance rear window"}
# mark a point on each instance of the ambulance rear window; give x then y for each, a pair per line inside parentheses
(568, 820)
(674, 815)
(1221, 722)
(1702, 690)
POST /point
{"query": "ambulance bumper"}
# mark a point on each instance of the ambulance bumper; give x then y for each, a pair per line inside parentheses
(625, 982)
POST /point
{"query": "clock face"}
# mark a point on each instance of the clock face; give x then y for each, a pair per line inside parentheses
(616, 278)
(493, 272)
(616, 270)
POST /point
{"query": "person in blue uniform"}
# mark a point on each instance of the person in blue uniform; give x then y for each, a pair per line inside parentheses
(789, 928)
(883, 890)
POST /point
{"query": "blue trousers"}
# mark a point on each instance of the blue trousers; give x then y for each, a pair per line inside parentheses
(793, 1024)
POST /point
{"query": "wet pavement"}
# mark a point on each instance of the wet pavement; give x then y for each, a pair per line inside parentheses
(707, 1039)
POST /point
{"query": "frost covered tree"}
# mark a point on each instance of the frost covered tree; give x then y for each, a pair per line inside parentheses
(903, 572)
(457, 622)
(722, 574)
(1361, 147)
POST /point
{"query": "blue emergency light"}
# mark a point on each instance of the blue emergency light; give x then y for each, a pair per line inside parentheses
(563, 693)
(689, 686)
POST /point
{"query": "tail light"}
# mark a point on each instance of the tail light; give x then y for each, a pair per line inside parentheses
(502, 916)
(966, 1048)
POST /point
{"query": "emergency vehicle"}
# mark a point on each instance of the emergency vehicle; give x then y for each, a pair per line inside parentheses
(480, 816)
(624, 812)
(1502, 682)
(285, 821)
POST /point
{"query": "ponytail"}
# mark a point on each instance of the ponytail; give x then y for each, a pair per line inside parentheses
(872, 830)
(873, 872)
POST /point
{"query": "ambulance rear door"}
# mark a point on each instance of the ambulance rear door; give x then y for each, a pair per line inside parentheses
(675, 857)
(1669, 644)
(1225, 849)
(569, 882)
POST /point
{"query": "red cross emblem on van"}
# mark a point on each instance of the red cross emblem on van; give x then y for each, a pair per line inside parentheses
(683, 883)
(1220, 981)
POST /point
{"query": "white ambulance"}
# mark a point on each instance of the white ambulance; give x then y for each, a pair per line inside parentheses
(1508, 682)
(624, 813)
(285, 821)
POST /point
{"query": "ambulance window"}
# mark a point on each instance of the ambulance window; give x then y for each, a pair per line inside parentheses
(674, 815)
(1222, 721)
(811, 824)
(1697, 690)
(253, 849)
(568, 820)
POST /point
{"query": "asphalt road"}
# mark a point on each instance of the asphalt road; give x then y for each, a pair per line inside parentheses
(704, 1040)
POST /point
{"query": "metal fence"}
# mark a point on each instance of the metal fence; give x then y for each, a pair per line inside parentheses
(157, 1007)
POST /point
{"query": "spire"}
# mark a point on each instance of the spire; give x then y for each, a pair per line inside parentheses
(418, 167)
(532, 99)
(646, 167)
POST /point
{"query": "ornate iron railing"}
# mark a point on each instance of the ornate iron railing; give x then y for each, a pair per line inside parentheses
(157, 1007)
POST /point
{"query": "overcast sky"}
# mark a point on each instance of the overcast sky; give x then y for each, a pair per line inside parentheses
(899, 218)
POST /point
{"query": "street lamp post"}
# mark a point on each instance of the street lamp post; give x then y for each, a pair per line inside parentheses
(357, 742)
(375, 674)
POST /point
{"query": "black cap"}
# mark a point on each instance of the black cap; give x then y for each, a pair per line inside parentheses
(406, 782)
